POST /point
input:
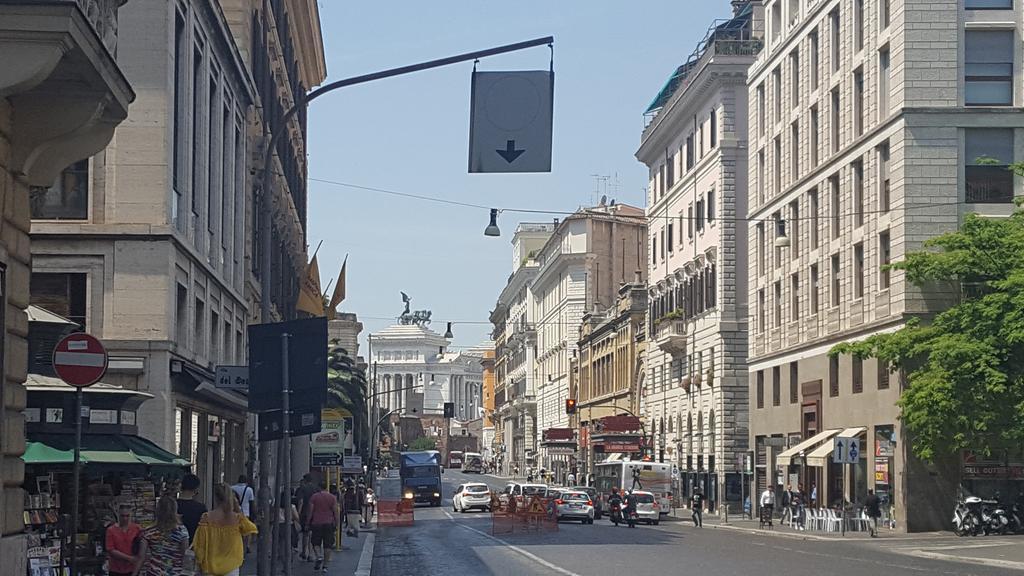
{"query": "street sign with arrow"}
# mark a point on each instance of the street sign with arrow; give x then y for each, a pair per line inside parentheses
(510, 121)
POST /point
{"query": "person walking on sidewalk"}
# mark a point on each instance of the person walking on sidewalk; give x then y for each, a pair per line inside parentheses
(368, 506)
(353, 506)
(120, 540)
(245, 496)
(323, 519)
(767, 506)
(697, 503)
(873, 508)
(218, 543)
(786, 514)
(190, 509)
(303, 493)
(162, 546)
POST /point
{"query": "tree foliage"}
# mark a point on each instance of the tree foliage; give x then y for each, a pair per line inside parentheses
(965, 366)
(423, 443)
(346, 388)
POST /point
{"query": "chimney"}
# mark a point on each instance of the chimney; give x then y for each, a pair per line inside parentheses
(556, 222)
(638, 277)
(756, 18)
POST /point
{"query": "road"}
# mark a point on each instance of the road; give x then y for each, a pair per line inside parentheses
(445, 543)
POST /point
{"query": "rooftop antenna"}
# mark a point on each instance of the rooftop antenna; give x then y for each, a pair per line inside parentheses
(600, 187)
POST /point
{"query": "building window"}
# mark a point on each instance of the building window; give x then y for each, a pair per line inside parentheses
(197, 124)
(777, 224)
(669, 241)
(777, 95)
(858, 23)
(777, 166)
(835, 128)
(178, 149)
(884, 95)
(794, 296)
(815, 289)
(884, 178)
(834, 205)
(988, 4)
(761, 320)
(794, 228)
(689, 152)
(214, 337)
(776, 386)
(61, 293)
(778, 304)
(199, 344)
(794, 78)
(760, 247)
(857, 170)
(181, 316)
(713, 128)
(835, 279)
(813, 144)
(761, 120)
(833, 23)
(689, 218)
(670, 172)
(711, 205)
(858, 375)
(700, 215)
(794, 379)
(885, 13)
(884, 258)
(760, 389)
(814, 208)
(67, 198)
(883, 375)
(813, 49)
(858, 101)
(833, 376)
(988, 151)
(794, 151)
(761, 176)
(988, 67)
(858, 270)
(663, 249)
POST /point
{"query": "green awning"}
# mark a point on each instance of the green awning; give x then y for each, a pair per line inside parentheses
(110, 449)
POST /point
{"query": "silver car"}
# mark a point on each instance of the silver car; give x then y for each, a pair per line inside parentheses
(647, 508)
(574, 505)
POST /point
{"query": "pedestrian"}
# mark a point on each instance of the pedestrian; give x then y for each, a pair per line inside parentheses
(873, 508)
(369, 506)
(814, 495)
(353, 504)
(286, 506)
(190, 509)
(162, 546)
(218, 543)
(245, 495)
(697, 505)
(786, 514)
(571, 479)
(799, 502)
(323, 518)
(304, 492)
(767, 506)
(122, 559)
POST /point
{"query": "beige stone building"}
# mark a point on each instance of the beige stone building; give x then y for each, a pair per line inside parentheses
(866, 120)
(61, 96)
(151, 243)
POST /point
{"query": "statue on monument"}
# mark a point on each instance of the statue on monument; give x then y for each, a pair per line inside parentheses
(417, 318)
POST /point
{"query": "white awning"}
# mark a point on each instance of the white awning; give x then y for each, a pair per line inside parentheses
(820, 455)
(785, 458)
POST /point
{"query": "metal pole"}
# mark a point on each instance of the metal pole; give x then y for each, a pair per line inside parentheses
(76, 479)
(286, 415)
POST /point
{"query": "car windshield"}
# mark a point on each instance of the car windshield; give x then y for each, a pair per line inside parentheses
(534, 490)
(644, 498)
(476, 489)
(576, 496)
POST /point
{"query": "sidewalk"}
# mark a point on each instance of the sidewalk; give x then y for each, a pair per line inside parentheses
(752, 526)
(355, 560)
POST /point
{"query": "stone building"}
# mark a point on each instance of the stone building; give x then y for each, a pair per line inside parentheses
(695, 146)
(150, 243)
(62, 94)
(588, 256)
(867, 119)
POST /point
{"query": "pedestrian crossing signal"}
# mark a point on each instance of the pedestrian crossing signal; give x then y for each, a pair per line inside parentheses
(570, 405)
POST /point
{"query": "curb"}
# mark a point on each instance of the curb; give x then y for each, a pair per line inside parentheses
(366, 556)
(950, 558)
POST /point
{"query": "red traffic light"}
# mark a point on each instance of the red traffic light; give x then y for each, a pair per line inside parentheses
(570, 405)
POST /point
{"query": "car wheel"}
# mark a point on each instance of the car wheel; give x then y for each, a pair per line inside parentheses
(656, 522)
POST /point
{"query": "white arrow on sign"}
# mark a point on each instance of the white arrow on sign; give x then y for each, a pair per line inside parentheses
(510, 121)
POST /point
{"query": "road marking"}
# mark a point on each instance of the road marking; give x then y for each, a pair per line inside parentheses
(514, 548)
(366, 556)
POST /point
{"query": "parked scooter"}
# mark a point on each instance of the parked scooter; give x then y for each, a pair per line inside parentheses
(993, 518)
(1015, 518)
(964, 521)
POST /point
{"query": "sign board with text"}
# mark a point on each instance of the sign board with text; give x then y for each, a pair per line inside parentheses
(232, 378)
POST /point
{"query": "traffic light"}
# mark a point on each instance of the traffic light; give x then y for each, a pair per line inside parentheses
(570, 405)
(449, 409)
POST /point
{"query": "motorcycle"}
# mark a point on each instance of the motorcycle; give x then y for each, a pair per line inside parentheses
(993, 518)
(631, 518)
(616, 513)
(964, 521)
(1015, 519)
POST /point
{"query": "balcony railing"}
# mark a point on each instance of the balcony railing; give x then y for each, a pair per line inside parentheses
(989, 184)
(671, 336)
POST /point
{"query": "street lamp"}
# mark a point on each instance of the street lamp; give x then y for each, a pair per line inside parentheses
(492, 228)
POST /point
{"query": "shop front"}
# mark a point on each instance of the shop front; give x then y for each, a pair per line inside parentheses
(998, 475)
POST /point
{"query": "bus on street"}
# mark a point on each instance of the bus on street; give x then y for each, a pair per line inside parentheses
(653, 477)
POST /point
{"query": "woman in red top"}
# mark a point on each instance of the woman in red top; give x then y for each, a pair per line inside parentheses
(121, 557)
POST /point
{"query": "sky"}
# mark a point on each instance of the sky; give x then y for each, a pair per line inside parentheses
(410, 134)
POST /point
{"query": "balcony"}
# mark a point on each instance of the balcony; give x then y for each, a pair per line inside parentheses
(989, 184)
(60, 76)
(671, 336)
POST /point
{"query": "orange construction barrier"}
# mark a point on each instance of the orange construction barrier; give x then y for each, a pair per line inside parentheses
(395, 513)
(529, 514)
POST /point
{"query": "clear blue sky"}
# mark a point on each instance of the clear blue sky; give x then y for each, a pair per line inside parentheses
(410, 134)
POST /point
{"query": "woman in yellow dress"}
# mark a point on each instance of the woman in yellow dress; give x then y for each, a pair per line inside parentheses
(218, 542)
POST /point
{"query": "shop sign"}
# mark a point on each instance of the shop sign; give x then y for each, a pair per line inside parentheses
(559, 434)
(617, 424)
(103, 417)
(352, 465)
(619, 445)
(881, 472)
(128, 417)
(32, 414)
(1014, 471)
(54, 415)
(560, 450)
(883, 448)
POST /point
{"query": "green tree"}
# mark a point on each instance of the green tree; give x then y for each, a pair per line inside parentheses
(965, 366)
(423, 443)
(346, 388)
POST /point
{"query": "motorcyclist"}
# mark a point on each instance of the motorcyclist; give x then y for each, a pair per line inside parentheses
(615, 505)
(629, 508)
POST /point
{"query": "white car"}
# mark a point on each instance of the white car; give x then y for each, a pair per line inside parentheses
(470, 496)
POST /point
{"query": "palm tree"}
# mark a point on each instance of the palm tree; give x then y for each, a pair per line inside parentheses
(346, 389)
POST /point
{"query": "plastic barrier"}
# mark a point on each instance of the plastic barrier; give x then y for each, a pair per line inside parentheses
(529, 514)
(392, 509)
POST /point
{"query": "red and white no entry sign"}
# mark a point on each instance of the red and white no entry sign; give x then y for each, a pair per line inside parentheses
(80, 360)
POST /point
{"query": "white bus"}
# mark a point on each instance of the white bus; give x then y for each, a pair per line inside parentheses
(473, 462)
(652, 477)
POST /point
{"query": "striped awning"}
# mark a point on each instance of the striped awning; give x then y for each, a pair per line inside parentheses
(786, 457)
(819, 457)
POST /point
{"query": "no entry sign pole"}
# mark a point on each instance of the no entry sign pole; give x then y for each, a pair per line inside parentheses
(80, 360)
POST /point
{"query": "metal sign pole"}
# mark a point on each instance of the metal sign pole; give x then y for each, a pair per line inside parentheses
(75, 481)
(287, 439)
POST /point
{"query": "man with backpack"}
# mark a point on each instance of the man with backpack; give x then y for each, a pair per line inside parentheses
(245, 495)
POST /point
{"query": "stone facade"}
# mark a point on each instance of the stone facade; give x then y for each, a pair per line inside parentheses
(864, 126)
(695, 399)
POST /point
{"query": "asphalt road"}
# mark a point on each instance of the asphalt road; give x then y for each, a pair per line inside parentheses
(445, 543)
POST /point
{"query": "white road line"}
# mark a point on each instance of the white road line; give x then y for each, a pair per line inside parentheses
(514, 548)
(366, 556)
